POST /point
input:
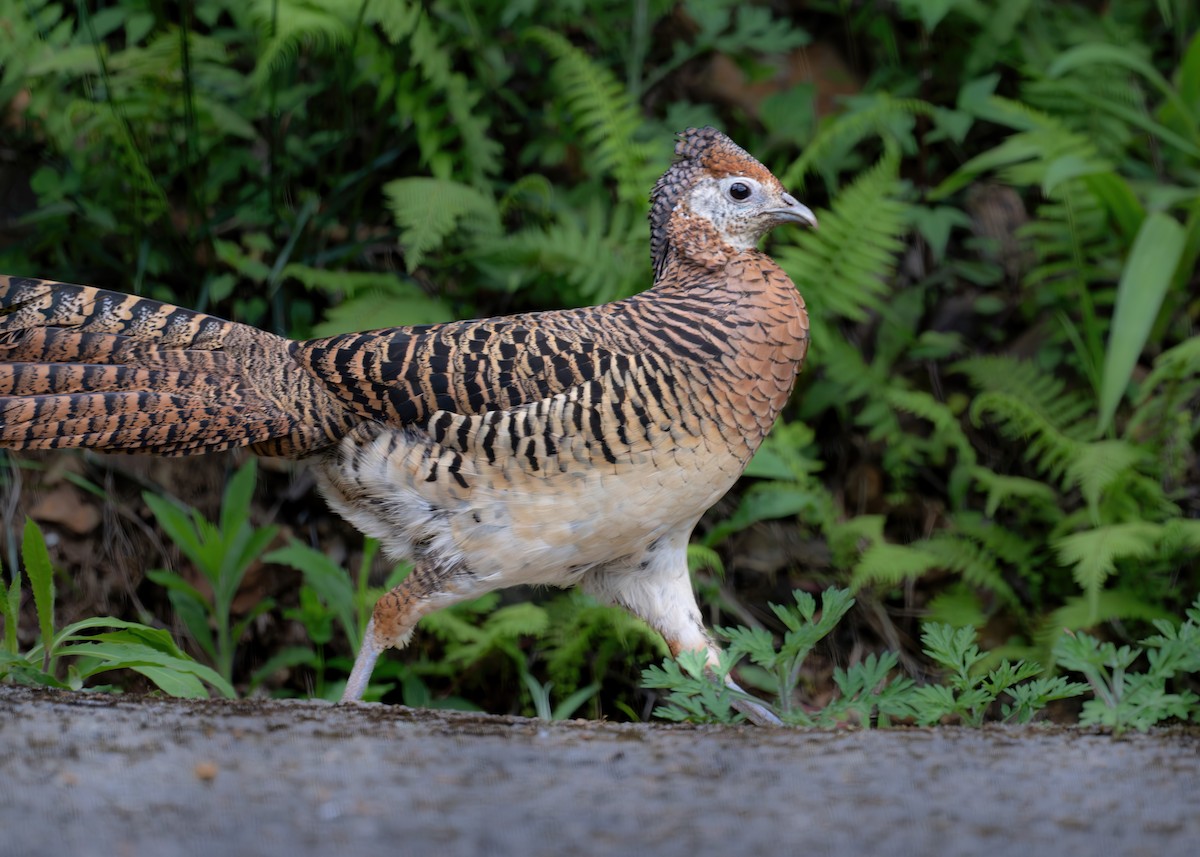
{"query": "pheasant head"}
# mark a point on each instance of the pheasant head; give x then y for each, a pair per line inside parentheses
(715, 202)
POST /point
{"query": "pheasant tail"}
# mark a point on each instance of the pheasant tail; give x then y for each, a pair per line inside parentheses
(84, 367)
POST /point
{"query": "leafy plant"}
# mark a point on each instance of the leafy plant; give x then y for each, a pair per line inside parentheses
(125, 645)
(866, 692)
(804, 630)
(328, 598)
(222, 552)
(967, 693)
(1124, 699)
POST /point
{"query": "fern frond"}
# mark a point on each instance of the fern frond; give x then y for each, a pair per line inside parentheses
(1093, 554)
(289, 26)
(1041, 154)
(338, 283)
(844, 267)
(102, 122)
(587, 637)
(1045, 393)
(1181, 535)
(1097, 466)
(947, 429)
(607, 119)
(1180, 363)
(848, 539)
(890, 564)
(1049, 448)
(429, 210)
(438, 90)
(1072, 101)
(787, 451)
(972, 560)
(1029, 405)
(1167, 413)
(1085, 612)
(396, 18)
(849, 378)
(368, 299)
(1072, 240)
(877, 115)
(1001, 489)
(601, 252)
(1008, 546)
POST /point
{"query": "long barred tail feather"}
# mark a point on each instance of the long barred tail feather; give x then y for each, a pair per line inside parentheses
(85, 367)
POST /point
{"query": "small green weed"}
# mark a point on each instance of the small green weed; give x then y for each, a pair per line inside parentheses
(1124, 700)
(328, 596)
(866, 694)
(968, 694)
(222, 552)
(128, 645)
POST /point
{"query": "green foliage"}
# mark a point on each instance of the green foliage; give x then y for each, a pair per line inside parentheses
(328, 598)
(1001, 409)
(868, 692)
(125, 645)
(968, 693)
(804, 630)
(695, 693)
(843, 268)
(603, 114)
(222, 552)
(1124, 699)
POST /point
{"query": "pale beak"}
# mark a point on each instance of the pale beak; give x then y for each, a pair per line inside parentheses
(794, 212)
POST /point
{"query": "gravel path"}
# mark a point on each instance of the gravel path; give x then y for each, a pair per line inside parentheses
(88, 775)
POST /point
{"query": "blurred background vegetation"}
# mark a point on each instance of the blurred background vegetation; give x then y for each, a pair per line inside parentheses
(997, 426)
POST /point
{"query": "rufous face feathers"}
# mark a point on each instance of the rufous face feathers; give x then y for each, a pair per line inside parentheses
(715, 200)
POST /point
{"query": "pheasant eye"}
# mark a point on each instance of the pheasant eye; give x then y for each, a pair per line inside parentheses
(739, 191)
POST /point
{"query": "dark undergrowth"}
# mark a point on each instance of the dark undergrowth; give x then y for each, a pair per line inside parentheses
(996, 430)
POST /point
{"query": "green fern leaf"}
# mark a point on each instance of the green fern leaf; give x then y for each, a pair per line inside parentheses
(1001, 489)
(289, 26)
(1094, 553)
(1045, 393)
(1180, 363)
(368, 300)
(606, 118)
(1047, 446)
(600, 252)
(977, 565)
(890, 564)
(429, 210)
(1086, 612)
(877, 115)
(1097, 466)
(1025, 158)
(399, 306)
(947, 429)
(844, 268)
(433, 56)
(850, 538)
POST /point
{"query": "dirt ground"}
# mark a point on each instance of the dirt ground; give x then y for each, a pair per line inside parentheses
(91, 774)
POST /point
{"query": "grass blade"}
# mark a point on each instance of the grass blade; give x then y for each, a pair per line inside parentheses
(1144, 283)
(10, 609)
(41, 581)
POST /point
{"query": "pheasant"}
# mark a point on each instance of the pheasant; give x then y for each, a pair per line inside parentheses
(574, 447)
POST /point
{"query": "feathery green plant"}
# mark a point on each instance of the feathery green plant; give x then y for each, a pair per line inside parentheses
(125, 645)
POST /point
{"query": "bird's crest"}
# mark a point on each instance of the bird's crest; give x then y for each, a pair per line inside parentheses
(699, 152)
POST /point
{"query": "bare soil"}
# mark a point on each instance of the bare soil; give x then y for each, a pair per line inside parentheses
(88, 774)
